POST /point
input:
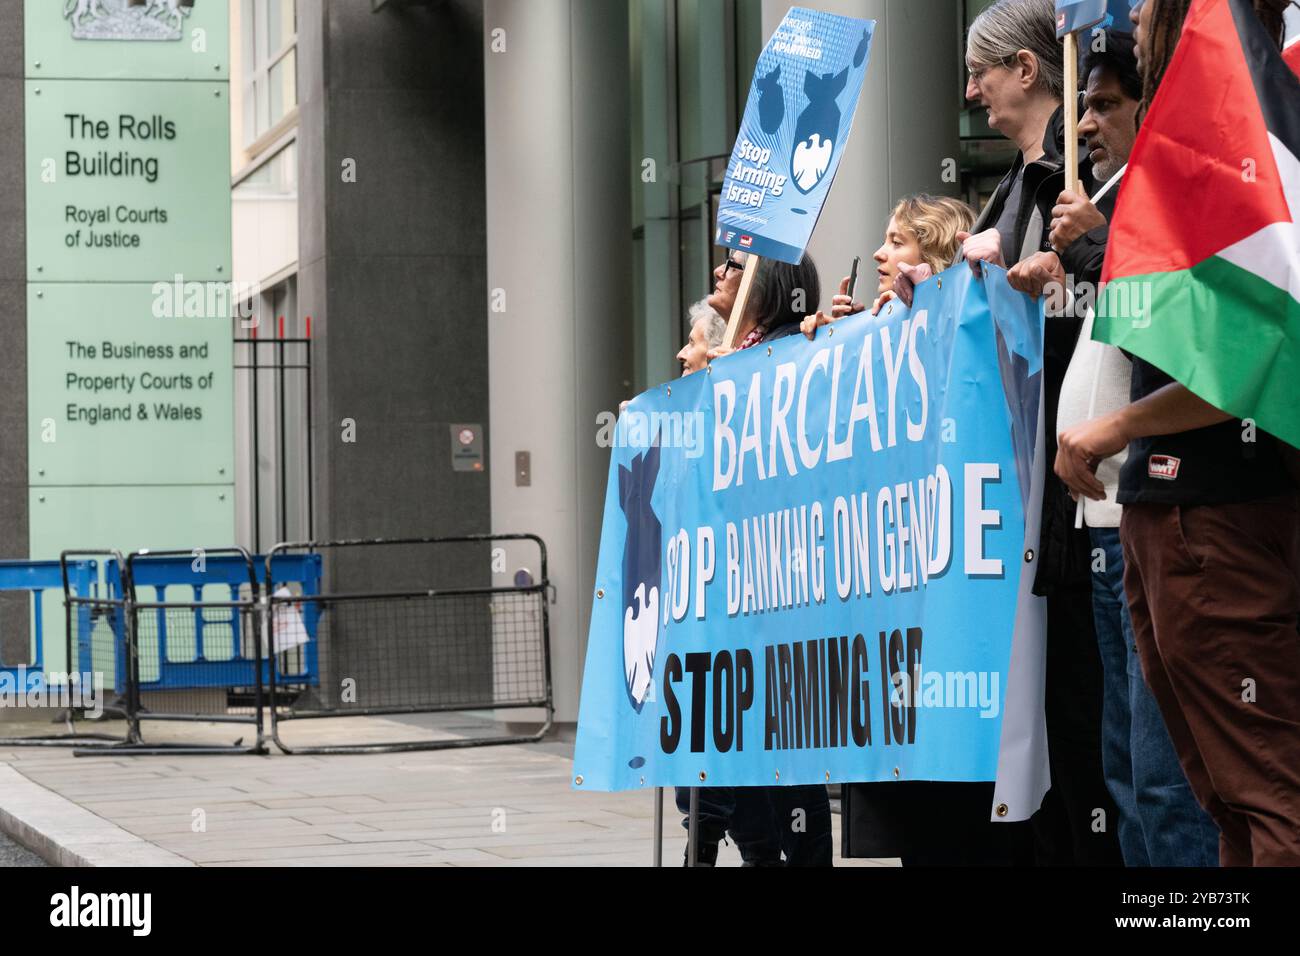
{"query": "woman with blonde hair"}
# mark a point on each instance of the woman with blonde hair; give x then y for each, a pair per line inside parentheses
(922, 822)
(920, 241)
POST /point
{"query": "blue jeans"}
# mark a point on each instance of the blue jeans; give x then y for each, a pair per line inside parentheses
(1160, 822)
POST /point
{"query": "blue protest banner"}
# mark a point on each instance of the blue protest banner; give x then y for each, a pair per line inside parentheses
(796, 124)
(812, 552)
(1075, 15)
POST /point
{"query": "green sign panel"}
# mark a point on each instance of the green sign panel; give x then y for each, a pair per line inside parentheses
(129, 363)
(144, 39)
(125, 387)
(127, 181)
(130, 519)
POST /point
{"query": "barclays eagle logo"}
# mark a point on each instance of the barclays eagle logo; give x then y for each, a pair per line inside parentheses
(641, 574)
(817, 129)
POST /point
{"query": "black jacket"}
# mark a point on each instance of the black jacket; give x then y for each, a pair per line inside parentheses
(1083, 259)
(1044, 182)
(1064, 551)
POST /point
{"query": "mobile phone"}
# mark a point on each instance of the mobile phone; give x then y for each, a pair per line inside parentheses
(853, 275)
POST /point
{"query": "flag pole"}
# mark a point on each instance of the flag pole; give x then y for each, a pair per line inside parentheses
(1071, 56)
(742, 297)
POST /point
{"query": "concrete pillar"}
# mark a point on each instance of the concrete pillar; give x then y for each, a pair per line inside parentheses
(392, 271)
(392, 265)
(14, 627)
(559, 254)
(906, 126)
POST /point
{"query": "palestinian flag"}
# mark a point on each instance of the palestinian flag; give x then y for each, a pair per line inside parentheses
(1202, 273)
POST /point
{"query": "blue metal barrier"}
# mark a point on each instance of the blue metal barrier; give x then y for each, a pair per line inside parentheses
(37, 577)
(78, 580)
(199, 646)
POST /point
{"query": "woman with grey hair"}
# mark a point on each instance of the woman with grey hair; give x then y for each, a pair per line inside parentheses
(707, 332)
(1015, 72)
(1015, 65)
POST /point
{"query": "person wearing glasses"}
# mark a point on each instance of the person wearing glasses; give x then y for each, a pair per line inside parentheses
(772, 826)
(1016, 73)
(780, 296)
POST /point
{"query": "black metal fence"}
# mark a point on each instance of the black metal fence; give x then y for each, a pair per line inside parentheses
(409, 652)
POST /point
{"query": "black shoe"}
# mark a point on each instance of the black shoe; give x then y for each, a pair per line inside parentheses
(706, 854)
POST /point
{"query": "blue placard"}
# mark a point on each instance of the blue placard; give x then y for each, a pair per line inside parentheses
(811, 554)
(796, 124)
(1075, 15)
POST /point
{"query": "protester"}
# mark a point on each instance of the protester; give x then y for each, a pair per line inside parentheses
(925, 823)
(765, 822)
(1015, 65)
(1160, 822)
(716, 810)
(920, 240)
(707, 331)
(1212, 557)
(779, 297)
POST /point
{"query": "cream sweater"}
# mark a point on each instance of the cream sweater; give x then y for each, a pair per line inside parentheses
(1111, 371)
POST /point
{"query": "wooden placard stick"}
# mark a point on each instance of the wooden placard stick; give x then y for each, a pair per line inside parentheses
(742, 298)
(1072, 112)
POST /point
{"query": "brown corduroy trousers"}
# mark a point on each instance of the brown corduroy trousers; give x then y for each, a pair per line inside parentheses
(1214, 594)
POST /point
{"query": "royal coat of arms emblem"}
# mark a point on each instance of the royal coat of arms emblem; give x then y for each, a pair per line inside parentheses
(127, 19)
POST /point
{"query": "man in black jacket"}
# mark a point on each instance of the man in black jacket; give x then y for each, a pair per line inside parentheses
(1159, 822)
(1017, 85)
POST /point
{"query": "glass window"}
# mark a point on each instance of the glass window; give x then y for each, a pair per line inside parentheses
(276, 177)
(687, 96)
(283, 83)
(281, 25)
(270, 63)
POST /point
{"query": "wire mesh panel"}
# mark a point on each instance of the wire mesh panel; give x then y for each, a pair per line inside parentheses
(54, 690)
(465, 652)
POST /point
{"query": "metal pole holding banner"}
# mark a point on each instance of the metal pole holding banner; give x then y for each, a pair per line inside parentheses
(659, 826)
(693, 827)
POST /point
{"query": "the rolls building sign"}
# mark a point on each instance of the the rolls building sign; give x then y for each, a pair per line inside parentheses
(130, 417)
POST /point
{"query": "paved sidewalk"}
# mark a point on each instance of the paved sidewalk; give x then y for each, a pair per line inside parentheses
(484, 806)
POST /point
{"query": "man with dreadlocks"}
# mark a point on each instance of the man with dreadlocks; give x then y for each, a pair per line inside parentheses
(1211, 523)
